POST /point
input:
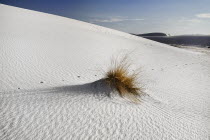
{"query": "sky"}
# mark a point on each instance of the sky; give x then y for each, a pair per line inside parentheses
(174, 17)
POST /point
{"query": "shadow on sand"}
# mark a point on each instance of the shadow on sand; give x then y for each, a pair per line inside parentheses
(99, 87)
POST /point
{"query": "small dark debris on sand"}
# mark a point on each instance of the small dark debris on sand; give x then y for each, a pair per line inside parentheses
(78, 76)
(41, 82)
(18, 88)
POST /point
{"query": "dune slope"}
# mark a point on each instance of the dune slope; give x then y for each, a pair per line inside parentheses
(47, 89)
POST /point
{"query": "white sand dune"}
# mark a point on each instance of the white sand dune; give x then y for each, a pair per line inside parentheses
(48, 65)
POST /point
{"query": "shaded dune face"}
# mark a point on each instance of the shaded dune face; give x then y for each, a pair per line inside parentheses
(203, 41)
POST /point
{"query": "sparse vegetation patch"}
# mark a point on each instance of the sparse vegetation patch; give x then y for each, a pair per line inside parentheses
(123, 81)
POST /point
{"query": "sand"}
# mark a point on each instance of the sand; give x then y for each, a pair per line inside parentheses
(48, 68)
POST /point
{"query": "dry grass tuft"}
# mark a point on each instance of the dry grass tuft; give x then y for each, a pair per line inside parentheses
(120, 79)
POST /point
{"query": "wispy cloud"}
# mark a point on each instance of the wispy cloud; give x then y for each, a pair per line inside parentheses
(203, 15)
(110, 20)
(190, 20)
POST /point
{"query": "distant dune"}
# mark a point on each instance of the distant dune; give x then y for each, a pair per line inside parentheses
(151, 34)
(200, 40)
